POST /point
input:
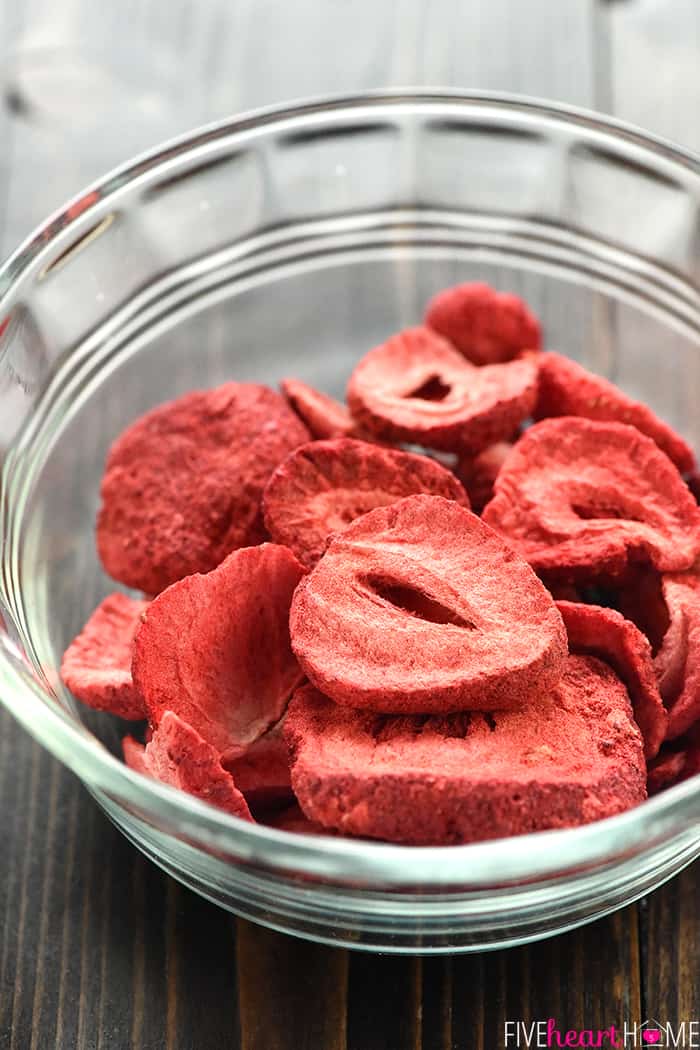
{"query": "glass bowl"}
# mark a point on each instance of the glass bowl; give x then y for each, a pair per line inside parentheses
(288, 243)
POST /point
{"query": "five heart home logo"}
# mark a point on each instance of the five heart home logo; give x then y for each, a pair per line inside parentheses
(651, 1033)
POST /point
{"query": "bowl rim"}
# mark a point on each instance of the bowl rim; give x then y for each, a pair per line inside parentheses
(540, 855)
(93, 195)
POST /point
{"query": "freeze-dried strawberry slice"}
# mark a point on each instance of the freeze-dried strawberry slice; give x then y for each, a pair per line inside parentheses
(485, 325)
(292, 819)
(417, 388)
(420, 607)
(322, 415)
(96, 666)
(478, 473)
(568, 389)
(666, 771)
(639, 597)
(261, 770)
(672, 656)
(177, 755)
(135, 755)
(606, 634)
(675, 763)
(678, 660)
(321, 487)
(215, 648)
(571, 756)
(182, 484)
(577, 497)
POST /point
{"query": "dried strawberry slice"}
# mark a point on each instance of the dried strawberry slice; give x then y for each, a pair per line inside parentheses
(182, 484)
(606, 634)
(261, 770)
(639, 597)
(678, 660)
(667, 770)
(417, 388)
(568, 389)
(693, 482)
(215, 648)
(571, 756)
(420, 607)
(579, 497)
(671, 659)
(96, 666)
(478, 473)
(322, 415)
(292, 819)
(675, 763)
(486, 326)
(135, 755)
(321, 487)
(177, 755)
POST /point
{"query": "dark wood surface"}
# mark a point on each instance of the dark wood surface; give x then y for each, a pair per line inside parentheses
(98, 949)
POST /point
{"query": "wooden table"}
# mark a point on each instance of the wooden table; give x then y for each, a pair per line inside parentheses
(98, 948)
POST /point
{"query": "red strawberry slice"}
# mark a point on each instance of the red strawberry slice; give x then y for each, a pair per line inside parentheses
(485, 325)
(571, 756)
(579, 498)
(182, 484)
(322, 487)
(96, 666)
(215, 648)
(420, 607)
(417, 388)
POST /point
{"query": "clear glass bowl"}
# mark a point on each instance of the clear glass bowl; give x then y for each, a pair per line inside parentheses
(288, 243)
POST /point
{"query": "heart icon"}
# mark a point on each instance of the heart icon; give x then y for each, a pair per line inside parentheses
(652, 1035)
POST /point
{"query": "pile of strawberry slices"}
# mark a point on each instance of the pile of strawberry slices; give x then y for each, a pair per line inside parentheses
(463, 606)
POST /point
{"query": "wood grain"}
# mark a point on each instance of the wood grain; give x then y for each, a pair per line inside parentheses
(654, 75)
(438, 1004)
(589, 978)
(99, 949)
(386, 1004)
(291, 992)
(670, 923)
